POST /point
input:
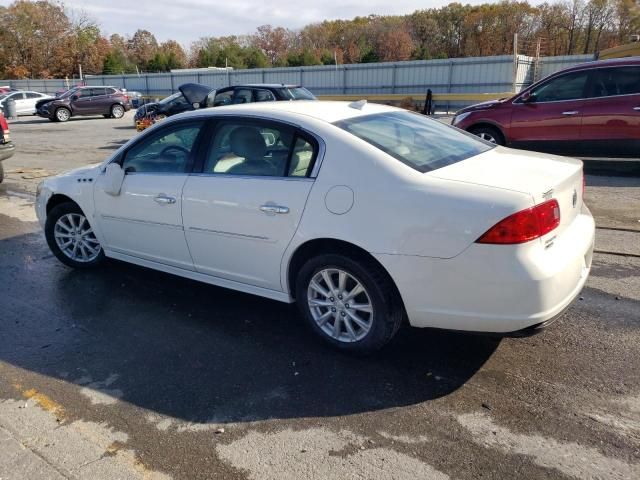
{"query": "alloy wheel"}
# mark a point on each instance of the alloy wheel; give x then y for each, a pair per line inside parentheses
(62, 114)
(488, 137)
(117, 111)
(340, 305)
(75, 238)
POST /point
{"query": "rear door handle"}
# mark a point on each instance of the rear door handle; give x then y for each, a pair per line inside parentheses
(571, 112)
(164, 199)
(273, 209)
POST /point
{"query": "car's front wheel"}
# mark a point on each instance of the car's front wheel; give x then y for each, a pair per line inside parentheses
(71, 238)
(349, 302)
(63, 114)
(1, 173)
(117, 111)
(490, 134)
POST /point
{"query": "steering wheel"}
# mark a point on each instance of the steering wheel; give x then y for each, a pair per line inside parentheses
(174, 147)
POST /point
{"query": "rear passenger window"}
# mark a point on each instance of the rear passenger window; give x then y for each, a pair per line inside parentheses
(608, 82)
(259, 148)
(264, 96)
(243, 96)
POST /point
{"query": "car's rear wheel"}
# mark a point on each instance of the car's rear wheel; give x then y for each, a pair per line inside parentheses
(71, 238)
(117, 111)
(63, 114)
(350, 303)
(490, 134)
(1, 173)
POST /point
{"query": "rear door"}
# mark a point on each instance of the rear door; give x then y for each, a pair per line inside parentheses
(30, 102)
(100, 101)
(553, 115)
(242, 210)
(611, 118)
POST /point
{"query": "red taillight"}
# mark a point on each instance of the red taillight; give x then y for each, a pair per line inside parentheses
(525, 225)
(584, 184)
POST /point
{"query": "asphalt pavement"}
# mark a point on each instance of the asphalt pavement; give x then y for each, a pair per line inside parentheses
(124, 372)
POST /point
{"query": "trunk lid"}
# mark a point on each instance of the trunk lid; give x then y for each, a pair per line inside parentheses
(540, 175)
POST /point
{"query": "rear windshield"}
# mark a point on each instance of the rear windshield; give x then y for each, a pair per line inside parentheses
(418, 141)
(297, 93)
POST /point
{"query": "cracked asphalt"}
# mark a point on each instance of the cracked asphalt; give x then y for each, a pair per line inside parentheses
(124, 372)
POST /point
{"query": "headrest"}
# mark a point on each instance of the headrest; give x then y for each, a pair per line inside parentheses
(248, 143)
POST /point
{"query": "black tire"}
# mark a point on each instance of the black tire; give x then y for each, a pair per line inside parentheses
(1, 173)
(53, 216)
(117, 111)
(388, 312)
(490, 134)
(62, 114)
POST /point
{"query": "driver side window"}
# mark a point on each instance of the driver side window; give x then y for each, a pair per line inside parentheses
(166, 151)
(565, 87)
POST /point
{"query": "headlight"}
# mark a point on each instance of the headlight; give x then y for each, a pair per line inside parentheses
(458, 118)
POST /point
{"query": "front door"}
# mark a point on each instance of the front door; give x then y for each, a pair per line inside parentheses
(100, 101)
(81, 101)
(242, 210)
(145, 219)
(552, 117)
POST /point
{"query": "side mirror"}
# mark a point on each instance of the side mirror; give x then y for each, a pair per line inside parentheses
(74, 97)
(527, 97)
(112, 180)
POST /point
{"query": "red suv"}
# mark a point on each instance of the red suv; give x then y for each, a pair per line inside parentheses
(6, 145)
(588, 109)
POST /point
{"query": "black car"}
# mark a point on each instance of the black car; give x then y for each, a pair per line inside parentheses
(259, 92)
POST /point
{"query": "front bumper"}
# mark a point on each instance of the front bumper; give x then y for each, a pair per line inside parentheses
(502, 289)
(7, 150)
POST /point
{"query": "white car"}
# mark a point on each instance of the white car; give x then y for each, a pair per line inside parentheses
(365, 215)
(25, 101)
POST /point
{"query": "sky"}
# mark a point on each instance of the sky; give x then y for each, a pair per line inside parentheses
(189, 20)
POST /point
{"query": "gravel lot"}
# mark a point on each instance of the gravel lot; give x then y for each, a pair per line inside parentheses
(124, 372)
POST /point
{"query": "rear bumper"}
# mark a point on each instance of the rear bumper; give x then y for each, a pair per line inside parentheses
(501, 289)
(7, 150)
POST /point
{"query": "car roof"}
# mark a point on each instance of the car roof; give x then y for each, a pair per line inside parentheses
(266, 85)
(612, 62)
(327, 111)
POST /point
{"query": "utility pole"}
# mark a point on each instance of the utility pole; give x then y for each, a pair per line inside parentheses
(515, 60)
(80, 69)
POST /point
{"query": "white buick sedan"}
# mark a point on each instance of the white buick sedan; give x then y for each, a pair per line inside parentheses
(366, 216)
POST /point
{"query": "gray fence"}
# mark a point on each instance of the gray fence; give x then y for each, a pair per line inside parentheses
(458, 75)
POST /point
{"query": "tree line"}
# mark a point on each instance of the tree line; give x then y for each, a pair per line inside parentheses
(43, 39)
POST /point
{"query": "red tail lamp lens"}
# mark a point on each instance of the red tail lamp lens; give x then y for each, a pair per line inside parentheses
(525, 225)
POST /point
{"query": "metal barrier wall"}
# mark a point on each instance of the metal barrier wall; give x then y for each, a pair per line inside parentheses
(504, 73)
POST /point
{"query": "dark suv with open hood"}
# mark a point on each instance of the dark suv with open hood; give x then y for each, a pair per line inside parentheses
(107, 101)
(249, 93)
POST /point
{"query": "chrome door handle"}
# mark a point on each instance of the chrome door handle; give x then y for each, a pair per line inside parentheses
(571, 112)
(273, 209)
(165, 199)
(636, 108)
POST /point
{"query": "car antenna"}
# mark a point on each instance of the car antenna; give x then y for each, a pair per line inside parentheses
(359, 104)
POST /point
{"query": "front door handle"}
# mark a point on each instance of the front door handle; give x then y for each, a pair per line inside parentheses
(273, 209)
(164, 199)
(571, 112)
(636, 108)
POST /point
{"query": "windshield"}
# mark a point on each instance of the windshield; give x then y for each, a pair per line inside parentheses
(170, 98)
(68, 93)
(418, 141)
(297, 93)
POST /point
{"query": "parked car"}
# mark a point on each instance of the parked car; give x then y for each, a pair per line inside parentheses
(593, 109)
(25, 101)
(107, 101)
(365, 215)
(7, 148)
(236, 94)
